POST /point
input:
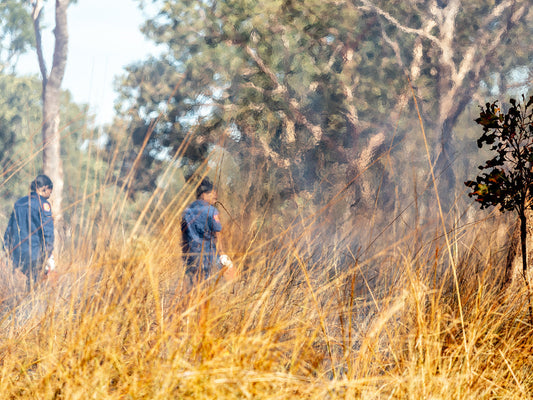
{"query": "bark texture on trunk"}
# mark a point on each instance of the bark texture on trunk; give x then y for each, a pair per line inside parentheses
(52, 163)
(514, 266)
(459, 69)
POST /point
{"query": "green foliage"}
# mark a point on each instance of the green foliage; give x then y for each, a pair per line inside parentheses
(295, 91)
(20, 116)
(268, 81)
(20, 136)
(509, 178)
(16, 32)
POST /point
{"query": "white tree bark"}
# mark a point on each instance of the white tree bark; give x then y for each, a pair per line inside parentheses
(51, 95)
(459, 70)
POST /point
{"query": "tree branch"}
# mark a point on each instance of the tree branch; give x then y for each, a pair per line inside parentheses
(61, 43)
(487, 41)
(420, 32)
(36, 17)
(292, 103)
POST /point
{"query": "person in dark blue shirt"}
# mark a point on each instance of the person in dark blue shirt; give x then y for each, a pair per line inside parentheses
(200, 228)
(29, 237)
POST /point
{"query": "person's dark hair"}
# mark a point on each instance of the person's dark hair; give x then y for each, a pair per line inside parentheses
(41, 181)
(205, 187)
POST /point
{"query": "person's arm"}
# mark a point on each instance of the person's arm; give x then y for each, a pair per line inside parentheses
(46, 223)
(218, 242)
(216, 228)
(8, 235)
(217, 234)
(48, 234)
(47, 227)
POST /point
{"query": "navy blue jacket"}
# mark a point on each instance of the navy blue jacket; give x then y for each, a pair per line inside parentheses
(199, 225)
(29, 236)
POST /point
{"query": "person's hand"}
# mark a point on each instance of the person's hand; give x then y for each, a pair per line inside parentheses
(50, 270)
(50, 264)
(228, 271)
(225, 261)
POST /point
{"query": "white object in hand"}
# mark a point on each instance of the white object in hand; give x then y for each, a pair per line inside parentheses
(225, 261)
(50, 264)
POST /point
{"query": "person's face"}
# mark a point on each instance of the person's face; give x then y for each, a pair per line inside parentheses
(211, 197)
(44, 191)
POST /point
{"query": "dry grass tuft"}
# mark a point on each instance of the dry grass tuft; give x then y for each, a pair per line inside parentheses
(305, 319)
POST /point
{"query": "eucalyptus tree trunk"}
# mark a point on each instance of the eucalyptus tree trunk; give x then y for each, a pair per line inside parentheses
(517, 261)
(458, 66)
(520, 249)
(51, 96)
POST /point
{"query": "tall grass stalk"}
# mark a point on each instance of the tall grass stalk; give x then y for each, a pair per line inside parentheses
(307, 317)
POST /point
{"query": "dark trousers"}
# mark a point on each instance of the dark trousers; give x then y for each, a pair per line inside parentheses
(200, 267)
(33, 269)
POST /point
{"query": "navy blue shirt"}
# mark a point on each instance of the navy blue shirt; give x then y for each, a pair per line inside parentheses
(199, 226)
(29, 236)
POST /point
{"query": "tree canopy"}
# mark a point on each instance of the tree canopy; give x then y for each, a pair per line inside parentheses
(16, 33)
(20, 133)
(316, 93)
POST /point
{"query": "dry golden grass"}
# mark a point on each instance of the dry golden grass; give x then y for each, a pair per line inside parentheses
(410, 314)
(400, 321)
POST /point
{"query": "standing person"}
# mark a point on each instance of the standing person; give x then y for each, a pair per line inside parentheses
(29, 237)
(200, 228)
